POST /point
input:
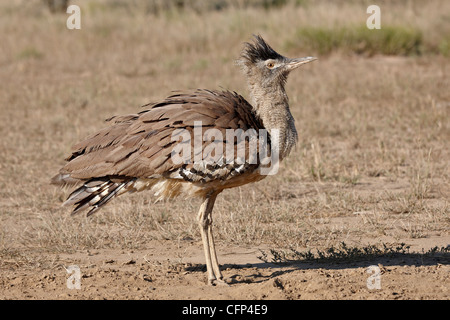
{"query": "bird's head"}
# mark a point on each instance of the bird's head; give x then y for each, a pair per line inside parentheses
(263, 64)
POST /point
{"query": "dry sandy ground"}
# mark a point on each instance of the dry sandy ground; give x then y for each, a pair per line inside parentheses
(161, 273)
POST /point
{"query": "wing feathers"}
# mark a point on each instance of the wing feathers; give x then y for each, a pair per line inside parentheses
(140, 145)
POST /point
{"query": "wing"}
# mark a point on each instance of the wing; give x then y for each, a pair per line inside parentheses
(153, 143)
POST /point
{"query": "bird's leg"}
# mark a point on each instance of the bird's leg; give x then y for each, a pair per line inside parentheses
(212, 249)
(205, 222)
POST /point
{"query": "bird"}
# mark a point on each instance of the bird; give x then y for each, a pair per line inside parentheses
(164, 148)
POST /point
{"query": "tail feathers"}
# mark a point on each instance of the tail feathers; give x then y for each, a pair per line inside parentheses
(63, 180)
(95, 193)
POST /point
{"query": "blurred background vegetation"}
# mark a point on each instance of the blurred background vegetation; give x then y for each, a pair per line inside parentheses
(398, 36)
(372, 115)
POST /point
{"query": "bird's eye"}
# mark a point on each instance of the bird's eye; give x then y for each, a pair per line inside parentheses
(270, 65)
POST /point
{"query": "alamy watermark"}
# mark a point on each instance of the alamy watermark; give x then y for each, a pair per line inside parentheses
(74, 20)
(74, 280)
(374, 281)
(374, 20)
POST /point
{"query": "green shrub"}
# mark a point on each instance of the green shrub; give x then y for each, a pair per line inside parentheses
(444, 47)
(388, 40)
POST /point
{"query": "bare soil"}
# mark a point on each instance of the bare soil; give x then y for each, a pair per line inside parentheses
(158, 273)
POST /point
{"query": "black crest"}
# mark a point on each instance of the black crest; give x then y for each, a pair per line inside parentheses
(259, 50)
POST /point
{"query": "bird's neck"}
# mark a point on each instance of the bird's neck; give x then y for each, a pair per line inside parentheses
(272, 106)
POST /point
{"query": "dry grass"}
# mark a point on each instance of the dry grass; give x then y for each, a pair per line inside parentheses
(371, 163)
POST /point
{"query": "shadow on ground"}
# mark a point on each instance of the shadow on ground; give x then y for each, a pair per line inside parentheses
(282, 268)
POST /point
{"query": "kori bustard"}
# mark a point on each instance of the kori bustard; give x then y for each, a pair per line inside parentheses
(166, 147)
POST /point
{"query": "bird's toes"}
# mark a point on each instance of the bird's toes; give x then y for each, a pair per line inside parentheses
(220, 282)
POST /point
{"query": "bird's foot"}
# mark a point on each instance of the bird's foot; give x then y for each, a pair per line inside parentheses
(218, 282)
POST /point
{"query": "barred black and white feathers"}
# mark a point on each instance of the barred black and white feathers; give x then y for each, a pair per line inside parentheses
(95, 193)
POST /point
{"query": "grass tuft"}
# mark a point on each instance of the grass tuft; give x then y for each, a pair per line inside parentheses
(389, 40)
(30, 53)
(345, 253)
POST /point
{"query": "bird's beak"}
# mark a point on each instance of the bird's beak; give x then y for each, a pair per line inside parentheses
(295, 63)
